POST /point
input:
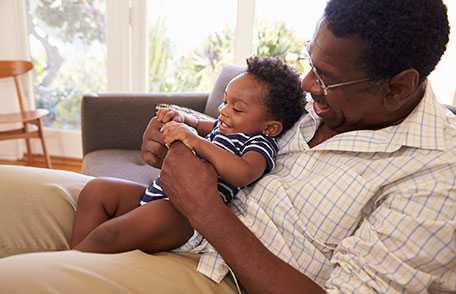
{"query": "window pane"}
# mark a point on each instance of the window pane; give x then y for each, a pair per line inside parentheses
(442, 78)
(282, 30)
(189, 41)
(67, 40)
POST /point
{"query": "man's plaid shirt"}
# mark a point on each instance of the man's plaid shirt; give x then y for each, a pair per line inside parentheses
(365, 211)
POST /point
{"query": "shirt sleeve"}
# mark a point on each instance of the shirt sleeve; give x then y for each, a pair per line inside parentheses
(265, 146)
(406, 245)
(214, 131)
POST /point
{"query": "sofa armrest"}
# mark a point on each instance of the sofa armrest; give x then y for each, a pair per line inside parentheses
(117, 121)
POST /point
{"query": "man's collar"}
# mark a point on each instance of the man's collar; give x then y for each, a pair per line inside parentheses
(423, 128)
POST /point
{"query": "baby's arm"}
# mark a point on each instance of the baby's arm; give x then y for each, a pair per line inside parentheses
(203, 127)
(235, 170)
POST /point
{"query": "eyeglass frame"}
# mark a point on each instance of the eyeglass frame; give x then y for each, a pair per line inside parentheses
(323, 87)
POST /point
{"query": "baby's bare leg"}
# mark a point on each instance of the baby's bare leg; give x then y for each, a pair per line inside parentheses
(155, 226)
(100, 200)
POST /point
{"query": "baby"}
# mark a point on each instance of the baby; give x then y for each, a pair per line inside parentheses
(258, 106)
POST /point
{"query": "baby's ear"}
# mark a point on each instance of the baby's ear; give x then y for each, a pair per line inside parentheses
(273, 128)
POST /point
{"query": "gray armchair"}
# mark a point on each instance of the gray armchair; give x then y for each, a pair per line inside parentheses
(112, 126)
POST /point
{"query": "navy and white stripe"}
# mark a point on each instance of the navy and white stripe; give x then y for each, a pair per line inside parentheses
(238, 144)
(153, 192)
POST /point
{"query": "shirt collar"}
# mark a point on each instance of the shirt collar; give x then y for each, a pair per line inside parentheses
(423, 128)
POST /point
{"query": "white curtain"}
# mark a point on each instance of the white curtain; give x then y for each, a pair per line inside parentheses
(14, 45)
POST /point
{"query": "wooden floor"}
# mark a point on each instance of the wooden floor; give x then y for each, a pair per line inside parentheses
(62, 163)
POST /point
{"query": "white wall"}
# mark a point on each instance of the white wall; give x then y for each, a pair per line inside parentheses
(11, 47)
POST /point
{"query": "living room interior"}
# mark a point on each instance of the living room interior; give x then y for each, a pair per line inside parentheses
(361, 198)
(95, 56)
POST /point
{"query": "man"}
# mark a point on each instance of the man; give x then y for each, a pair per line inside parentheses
(372, 188)
(363, 197)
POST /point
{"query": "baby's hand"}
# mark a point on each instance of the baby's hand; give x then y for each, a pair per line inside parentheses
(165, 115)
(173, 131)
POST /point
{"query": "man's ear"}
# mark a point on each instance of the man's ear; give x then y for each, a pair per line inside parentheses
(401, 88)
(273, 128)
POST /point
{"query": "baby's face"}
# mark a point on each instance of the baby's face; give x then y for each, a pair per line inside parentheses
(243, 109)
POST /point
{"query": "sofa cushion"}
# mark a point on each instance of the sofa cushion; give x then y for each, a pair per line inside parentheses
(125, 164)
(216, 96)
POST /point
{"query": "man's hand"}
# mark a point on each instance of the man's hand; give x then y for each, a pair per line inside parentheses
(175, 131)
(153, 149)
(191, 184)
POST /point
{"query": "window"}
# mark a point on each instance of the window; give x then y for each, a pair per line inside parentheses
(67, 40)
(187, 50)
(442, 79)
(286, 25)
(95, 46)
(281, 30)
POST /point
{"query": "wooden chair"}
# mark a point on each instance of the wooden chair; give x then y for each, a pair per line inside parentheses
(13, 69)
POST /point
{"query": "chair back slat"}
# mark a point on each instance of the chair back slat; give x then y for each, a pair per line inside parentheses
(14, 68)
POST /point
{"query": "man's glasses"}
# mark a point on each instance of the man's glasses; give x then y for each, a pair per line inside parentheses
(318, 80)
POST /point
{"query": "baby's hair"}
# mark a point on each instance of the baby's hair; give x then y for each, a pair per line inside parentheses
(285, 99)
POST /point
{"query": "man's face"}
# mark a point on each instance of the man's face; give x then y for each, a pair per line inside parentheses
(345, 108)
